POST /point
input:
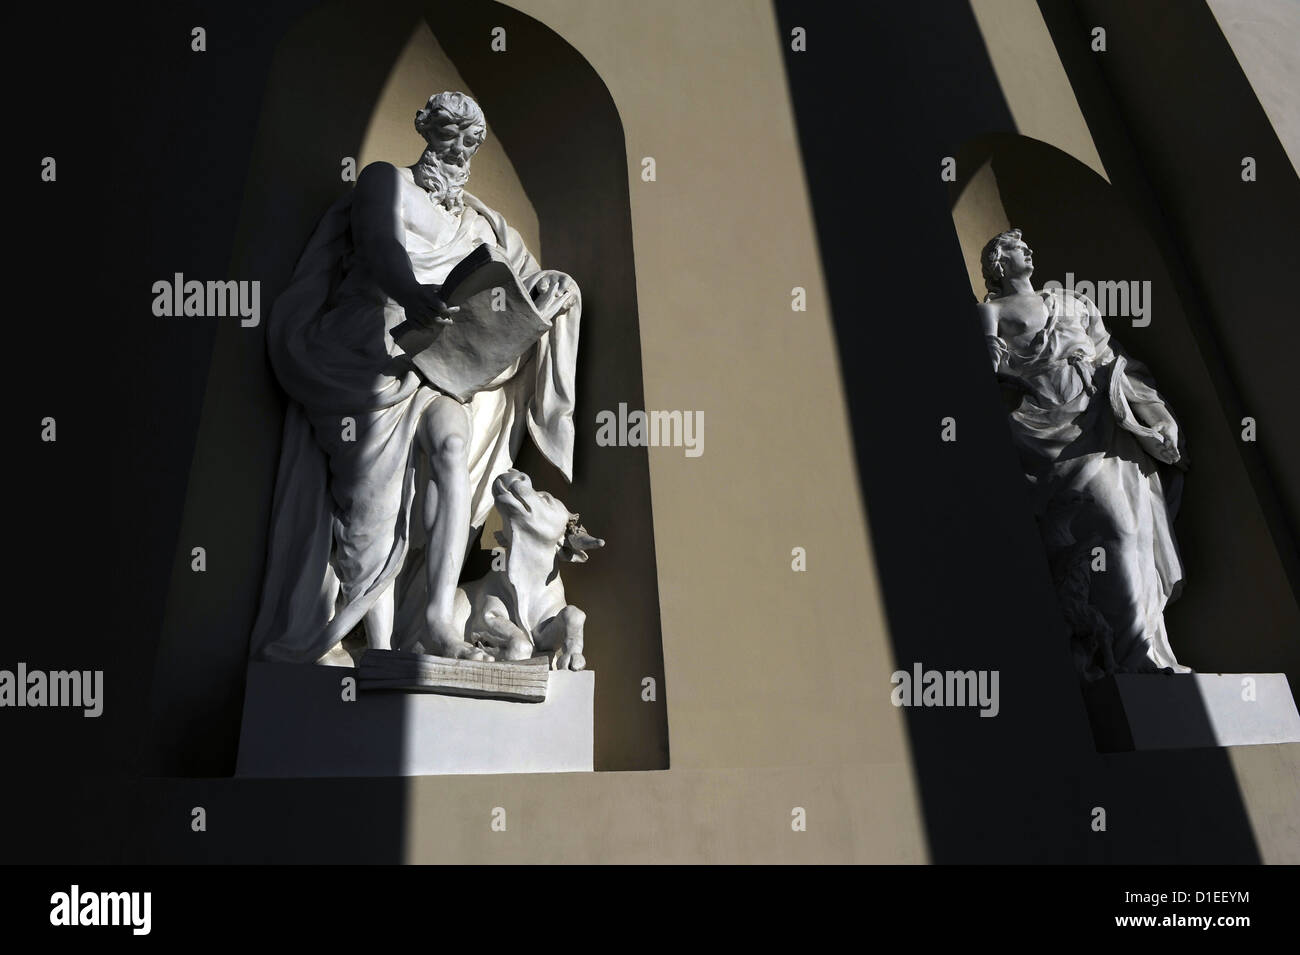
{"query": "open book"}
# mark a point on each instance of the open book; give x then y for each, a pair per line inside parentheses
(482, 342)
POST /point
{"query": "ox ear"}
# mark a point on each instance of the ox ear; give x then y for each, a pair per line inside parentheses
(577, 542)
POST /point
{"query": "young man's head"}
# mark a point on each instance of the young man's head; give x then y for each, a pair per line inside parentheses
(1005, 257)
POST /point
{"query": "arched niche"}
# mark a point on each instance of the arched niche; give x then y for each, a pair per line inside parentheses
(1237, 612)
(346, 81)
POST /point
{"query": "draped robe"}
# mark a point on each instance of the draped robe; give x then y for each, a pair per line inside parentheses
(1094, 484)
(346, 523)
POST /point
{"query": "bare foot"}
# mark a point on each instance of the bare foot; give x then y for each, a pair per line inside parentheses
(443, 641)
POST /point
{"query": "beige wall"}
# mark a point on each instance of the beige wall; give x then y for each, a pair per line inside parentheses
(778, 682)
(978, 212)
(1033, 81)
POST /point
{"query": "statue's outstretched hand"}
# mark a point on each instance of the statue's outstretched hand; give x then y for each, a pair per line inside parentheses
(1163, 447)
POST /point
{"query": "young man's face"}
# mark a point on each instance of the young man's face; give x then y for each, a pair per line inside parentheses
(1017, 259)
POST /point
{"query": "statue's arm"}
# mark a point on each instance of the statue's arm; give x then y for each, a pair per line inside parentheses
(1154, 413)
(1147, 404)
(988, 316)
(378, 237)
(1096, 330)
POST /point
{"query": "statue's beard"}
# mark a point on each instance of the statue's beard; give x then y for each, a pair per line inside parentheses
(444, 182)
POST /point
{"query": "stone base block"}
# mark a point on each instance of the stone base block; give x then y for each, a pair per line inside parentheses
(1143, 711)
(297, 723)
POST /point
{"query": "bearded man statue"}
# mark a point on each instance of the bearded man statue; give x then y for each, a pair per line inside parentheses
(383, 479)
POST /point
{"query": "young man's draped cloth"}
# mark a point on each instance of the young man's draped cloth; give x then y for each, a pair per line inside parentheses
(346, 522)
(1075, 431)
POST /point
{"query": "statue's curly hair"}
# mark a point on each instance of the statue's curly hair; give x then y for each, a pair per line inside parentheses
(991, 261)
(458, 106)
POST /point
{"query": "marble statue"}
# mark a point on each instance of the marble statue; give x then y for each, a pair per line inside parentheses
(384, 479)
(1103, 456)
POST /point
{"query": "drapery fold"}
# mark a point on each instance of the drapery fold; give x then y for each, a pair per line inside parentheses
(1077, 433)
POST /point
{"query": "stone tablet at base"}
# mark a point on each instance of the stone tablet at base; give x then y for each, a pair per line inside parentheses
(297, 723)
(525, 681)
(1144, 711)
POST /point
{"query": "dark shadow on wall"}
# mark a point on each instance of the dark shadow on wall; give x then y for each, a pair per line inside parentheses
(1172, 116)
(322, 90)
(959, 558)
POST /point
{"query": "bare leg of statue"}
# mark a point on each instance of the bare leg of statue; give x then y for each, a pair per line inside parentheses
(379, 622)
(444, 437)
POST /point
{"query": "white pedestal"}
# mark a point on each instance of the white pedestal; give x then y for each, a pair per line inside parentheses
(296, 723)
(1141, 711)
